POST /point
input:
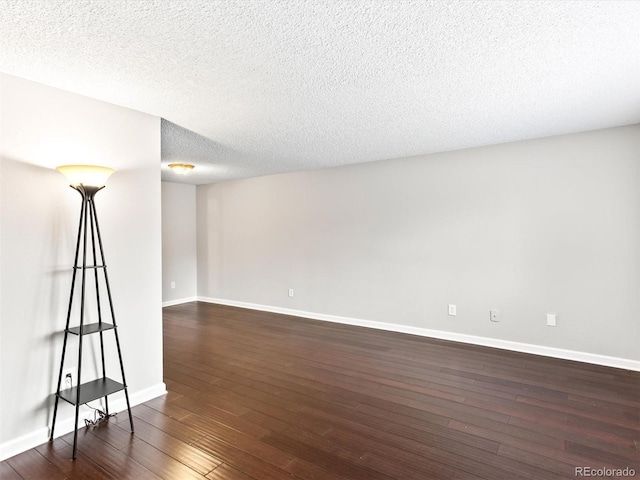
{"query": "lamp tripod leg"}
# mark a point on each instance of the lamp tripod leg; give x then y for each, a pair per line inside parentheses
(66, 328)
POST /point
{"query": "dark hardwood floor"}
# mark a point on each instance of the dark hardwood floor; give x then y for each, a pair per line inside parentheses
(255, 395)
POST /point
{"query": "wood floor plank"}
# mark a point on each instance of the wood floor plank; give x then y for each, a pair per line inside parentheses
(165, 405)
(631, 459)
(159, 463)
(548, 467)
(242, 461)
(609, 416)
(173, 447)
(207, 418)
(250, 445)
(32, 465)
(430, 458)
(169, 425)
(149, 476)
(580, 434)
(328, 458)
(226, 472)
(59, 453)
(552, 450)
(7, 472)
(106, 456)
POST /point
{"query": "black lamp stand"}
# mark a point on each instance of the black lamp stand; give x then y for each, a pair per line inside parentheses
(88, 233)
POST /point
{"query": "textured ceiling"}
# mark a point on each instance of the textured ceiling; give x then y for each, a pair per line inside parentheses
(257, 87)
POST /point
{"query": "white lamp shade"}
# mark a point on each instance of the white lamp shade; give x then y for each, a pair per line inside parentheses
(86, 175)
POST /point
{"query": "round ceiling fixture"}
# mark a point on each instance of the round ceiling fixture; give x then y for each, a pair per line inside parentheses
(181, 168)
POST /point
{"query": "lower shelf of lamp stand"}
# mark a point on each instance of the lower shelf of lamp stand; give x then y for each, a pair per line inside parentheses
(91, 391)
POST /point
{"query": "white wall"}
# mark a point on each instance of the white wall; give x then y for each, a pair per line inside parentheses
(179, 261)
(40, 128)
(547, 225)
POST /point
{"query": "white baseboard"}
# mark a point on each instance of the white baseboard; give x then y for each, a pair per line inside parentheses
(170, 303)
(23, 443)
(66, 425)
(623, 363)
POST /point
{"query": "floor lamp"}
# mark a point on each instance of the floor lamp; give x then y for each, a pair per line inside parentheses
(88, 180)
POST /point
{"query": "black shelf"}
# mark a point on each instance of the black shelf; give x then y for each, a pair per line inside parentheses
(91, 328)
(91, 391)
(89, 266)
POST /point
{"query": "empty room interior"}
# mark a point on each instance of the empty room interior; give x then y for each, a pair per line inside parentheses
(291, 239)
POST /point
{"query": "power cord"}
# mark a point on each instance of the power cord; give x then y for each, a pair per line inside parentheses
(99, 417)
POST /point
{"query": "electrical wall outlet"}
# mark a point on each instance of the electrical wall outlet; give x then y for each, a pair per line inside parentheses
(452, 310)
(69, 377)
(173, 284)
(551, 319)
(291, 292)
(494, 315)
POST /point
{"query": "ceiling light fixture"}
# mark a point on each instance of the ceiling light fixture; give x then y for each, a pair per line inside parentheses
(181, 168)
